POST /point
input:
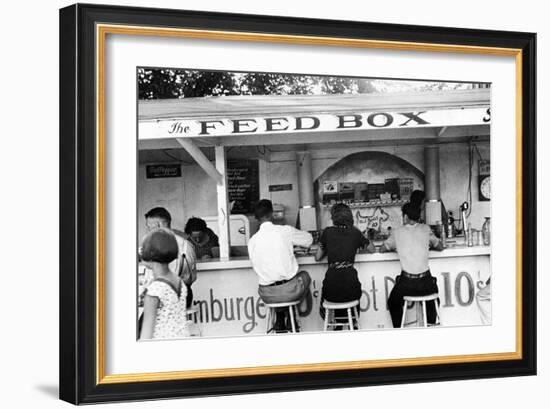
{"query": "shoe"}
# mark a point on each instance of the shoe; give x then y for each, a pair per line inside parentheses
(279, 326)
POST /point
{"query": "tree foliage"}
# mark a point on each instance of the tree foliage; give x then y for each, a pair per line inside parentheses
(178, 83)
(175, 83)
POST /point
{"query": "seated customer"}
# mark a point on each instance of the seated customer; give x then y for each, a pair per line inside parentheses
(202, 237)
(340, 243)
(271, 252)
(412, 242)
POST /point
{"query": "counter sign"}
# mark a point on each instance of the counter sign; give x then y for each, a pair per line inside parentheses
(163, 171)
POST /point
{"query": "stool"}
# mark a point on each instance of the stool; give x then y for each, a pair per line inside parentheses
(420, 308)
(191, 314)
(353, 314)
(292, 312)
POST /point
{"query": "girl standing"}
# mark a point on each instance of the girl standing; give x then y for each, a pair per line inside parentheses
(164, 305)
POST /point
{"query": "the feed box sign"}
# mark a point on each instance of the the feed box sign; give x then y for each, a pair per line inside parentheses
(228, 126)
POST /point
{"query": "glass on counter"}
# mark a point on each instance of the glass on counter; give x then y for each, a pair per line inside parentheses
(476, 237)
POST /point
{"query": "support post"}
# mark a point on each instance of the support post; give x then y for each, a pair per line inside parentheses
(223, 203)
(307, 214)
(432, 185)
(305, 179)
(200, 158)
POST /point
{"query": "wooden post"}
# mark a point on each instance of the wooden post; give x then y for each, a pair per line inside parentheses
(432, 185)
(223, 203)
(200, 158)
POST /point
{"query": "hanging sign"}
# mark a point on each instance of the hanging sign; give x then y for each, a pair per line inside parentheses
(163, 171)
(223, 126)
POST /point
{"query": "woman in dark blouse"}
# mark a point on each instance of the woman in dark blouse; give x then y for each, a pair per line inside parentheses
(202, 237)
(340, 243)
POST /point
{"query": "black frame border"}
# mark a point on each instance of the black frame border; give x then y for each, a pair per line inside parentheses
(78, 197)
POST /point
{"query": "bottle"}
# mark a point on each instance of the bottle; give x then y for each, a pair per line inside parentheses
(469, 237)
(450, 225)
(442, 234)
(486, 231)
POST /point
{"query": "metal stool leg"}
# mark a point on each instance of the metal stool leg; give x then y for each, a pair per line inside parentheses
(438, 317)
(424, 315)
(418, 312)
(268, 320)
(356, 312)
(404, 314)
(327, 312)
(296, 317)
(292, 323)
(350, 320)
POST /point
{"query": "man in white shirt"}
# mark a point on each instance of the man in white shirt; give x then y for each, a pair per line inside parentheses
(271, 251)
(412, 241)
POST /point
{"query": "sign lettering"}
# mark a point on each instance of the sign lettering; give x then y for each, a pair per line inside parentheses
(247, 312)
(170, 128)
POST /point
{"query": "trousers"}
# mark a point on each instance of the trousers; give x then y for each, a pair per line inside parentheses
(405, 286)
(292, 290)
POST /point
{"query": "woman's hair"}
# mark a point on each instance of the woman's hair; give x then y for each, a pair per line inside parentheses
(341, 215)
(417, 196)
(195, 224)
(159, 245)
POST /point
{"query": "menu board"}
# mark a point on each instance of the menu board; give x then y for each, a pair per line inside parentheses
(243, 185)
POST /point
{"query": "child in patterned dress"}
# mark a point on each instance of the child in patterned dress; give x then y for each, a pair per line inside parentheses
(164, 305)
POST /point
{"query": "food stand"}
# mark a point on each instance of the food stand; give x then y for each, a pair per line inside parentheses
(305, 153)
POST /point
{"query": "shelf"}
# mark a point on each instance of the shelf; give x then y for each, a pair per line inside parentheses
(364, 205)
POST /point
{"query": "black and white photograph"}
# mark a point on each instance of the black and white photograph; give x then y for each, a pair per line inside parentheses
(256, 203)
(272, 204)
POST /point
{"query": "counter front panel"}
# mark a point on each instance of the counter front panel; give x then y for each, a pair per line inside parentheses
(226, 292)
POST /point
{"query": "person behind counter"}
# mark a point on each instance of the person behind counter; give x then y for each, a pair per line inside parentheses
(340, 243)
(202, 237)
(412, 242)
(164, 304)
(184, 265)
(418, 199)
(271, 252)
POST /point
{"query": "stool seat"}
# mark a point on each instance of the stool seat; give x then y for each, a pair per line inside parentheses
(352, 320)
(282, 304)
(421, 314)
(292, 313)
(429, 297)
(339, 305)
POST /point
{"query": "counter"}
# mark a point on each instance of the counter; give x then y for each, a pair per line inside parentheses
(226, 292)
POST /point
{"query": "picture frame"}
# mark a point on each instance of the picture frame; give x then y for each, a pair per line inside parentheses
(83, 180)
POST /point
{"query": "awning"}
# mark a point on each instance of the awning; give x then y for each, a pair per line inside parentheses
(230, 116)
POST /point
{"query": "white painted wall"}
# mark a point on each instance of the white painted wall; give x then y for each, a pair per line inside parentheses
(194, 194)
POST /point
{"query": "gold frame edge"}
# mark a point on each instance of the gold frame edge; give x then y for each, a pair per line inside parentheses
(101, 32)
